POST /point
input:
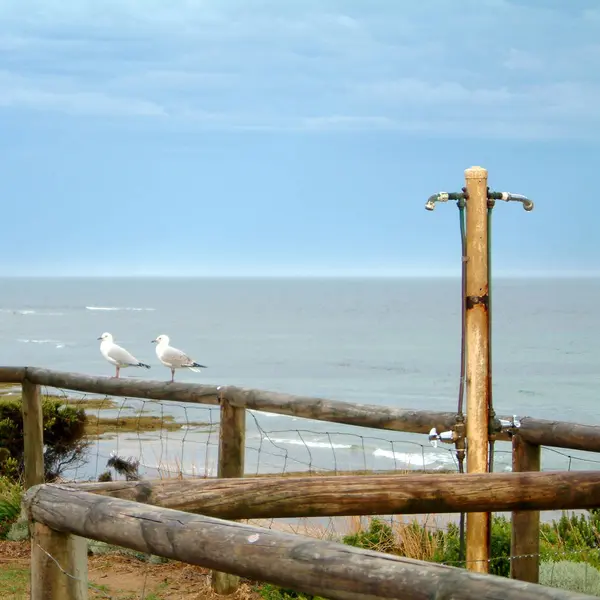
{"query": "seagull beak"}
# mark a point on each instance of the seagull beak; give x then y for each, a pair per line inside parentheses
(153, 342)
(99, 338)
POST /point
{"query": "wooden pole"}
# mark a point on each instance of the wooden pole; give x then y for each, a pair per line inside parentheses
(52, 554)
(525, 541)
(347, 495)
(33, 434)
(232, 443)
(317, 567)
(59, 568)
(477, 343)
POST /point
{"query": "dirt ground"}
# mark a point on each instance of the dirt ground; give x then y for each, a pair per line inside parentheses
(119, 577)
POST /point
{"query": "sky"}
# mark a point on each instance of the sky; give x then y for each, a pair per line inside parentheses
(296, 137)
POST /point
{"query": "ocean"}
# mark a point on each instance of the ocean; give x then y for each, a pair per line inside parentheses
(390, 342)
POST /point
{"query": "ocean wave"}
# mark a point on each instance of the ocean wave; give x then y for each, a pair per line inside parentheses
(131, 308)
(417, 460)
(57, 343)
(262, 413)
(30, 311)
(328, 445)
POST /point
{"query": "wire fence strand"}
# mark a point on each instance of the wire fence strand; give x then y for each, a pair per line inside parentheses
(130, 438)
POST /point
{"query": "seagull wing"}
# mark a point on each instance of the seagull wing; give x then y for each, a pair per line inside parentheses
(176, 358)
(122, 356)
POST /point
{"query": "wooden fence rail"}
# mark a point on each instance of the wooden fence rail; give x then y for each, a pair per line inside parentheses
(348, 495)
(540, 432)
(327, 569)
(234, 402)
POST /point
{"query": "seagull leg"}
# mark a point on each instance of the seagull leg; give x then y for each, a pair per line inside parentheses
(172, 375)
(118, 369)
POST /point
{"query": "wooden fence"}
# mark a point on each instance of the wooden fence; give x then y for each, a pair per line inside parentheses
(524, 492)
(65, 517)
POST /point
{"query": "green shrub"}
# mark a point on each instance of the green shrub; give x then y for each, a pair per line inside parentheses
(10, 504)
(500, 546)
(379, 537)
(573, 576)
(448, 546)
(64, 441)
(572, 537)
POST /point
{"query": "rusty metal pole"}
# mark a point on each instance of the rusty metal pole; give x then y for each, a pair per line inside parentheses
(477, 343)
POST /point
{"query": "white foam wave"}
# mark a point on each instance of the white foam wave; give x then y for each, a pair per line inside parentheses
(131, 308)
(329, 445)
(29, 311)
(419, 460)
(262, 413)
(24, 341)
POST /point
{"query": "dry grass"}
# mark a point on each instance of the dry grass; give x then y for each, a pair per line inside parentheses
(119, 577)
(92, 403)
(138, 422)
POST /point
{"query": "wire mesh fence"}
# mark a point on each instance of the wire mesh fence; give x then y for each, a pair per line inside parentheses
(172, 439)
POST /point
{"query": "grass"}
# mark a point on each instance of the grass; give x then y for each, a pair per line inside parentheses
(118, 575)
(13, 581)
(135, 423)
(98, 425)
(92, 403)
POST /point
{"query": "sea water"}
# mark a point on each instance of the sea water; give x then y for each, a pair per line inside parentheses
(389, 342)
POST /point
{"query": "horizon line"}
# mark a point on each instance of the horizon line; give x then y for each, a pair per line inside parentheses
(333, 275)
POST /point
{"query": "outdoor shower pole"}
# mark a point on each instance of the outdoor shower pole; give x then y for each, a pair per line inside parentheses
(477, 365)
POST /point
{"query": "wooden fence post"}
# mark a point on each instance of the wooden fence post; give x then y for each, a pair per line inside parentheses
(59, 568)
(477, 346)
(525, 540)
(33, 434)
(232, 442)
(58, 560)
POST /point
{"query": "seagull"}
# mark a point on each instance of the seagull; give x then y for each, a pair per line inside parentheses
(116, 355)
(174, 358)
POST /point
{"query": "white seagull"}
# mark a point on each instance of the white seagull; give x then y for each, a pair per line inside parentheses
(174, 358)
(116, 355)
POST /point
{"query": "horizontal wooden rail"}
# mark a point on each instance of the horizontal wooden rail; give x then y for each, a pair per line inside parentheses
(12, 374)
(346, 495)
(335, 411)
(316, 567)
(558, 434)
(348, 413)
(134, 388)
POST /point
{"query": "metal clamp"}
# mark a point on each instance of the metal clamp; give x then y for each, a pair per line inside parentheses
(508, 426)
(449, 437)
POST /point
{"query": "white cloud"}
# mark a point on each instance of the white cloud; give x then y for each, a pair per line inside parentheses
(16, 92)
(307, 65)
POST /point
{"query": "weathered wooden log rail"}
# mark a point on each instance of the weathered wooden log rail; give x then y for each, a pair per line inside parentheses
(539, 432)
(327, 569)
(492, 492)
(355, 495)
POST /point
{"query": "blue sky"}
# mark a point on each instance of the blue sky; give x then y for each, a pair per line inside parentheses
(299, 136)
